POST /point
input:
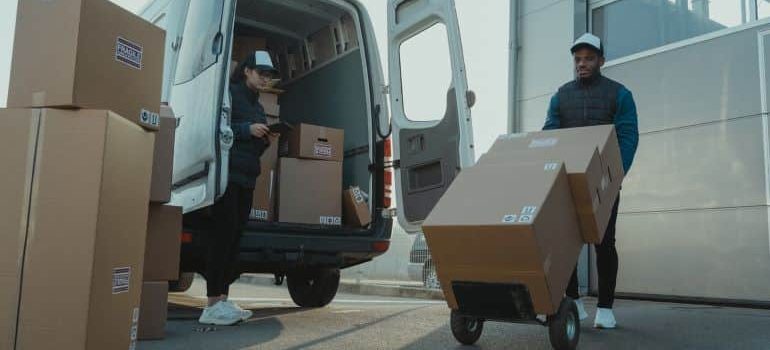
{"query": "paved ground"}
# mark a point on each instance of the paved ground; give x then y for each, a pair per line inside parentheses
(365, 322)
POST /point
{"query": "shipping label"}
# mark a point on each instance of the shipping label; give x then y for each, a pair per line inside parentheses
(149, 118)
(528, 210)
(543, 142)
(128, 53)
(323, 150)
(258, 214)
(525, 219)
(331, 220)
(551, 166)
(121, 280)
(357, 196)
(509, 219)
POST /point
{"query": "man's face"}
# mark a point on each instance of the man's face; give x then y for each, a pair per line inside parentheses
(257, 79)
(587, 62)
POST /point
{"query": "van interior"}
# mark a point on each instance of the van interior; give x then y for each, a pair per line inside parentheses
(315, 46)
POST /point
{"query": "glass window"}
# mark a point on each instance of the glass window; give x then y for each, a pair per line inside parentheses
(763, 8)
(197, 53)
(426, 74)
(630, 26)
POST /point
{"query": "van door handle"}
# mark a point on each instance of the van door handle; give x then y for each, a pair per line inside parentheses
(177, 43)
(216, 47)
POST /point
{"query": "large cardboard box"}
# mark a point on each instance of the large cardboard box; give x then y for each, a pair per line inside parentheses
(263, 204)
(164, 241)
(18, 137)
(88, 220)
(269, 101)
(316, 142)
(592, 159)
(243, 46)
(153, 310)
(355, 210)
(163, 157)
(506, 224)
(88, 54)
(309, 192)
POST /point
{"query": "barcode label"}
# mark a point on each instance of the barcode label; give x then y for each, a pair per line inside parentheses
(331, 220)
(257, 214)
(322, 150)
(121, 280)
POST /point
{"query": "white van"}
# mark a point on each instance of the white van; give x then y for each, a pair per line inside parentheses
(331, 72)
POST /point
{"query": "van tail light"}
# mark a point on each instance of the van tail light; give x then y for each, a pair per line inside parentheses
(187, 237)
(381, 246)
(388, 174)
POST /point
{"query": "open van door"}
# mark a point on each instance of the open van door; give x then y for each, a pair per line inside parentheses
(198, 98)
(170, 16)
(432, 131)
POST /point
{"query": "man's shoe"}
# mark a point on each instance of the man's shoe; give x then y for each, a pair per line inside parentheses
(604, 319)
(220, 314)
(245, 314)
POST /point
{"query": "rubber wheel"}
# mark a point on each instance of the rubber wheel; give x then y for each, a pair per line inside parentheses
(184, 283)
(313, 288)
(564, 327)
(466, 330)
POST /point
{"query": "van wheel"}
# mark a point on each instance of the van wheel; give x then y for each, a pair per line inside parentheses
(313, 287)
(465, 329)
(184, 283)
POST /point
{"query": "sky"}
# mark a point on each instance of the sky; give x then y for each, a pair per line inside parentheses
(484, 32)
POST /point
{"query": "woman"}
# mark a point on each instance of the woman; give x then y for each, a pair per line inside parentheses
(231, 212)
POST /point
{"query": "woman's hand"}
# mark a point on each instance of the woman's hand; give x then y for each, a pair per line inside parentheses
(259, 130)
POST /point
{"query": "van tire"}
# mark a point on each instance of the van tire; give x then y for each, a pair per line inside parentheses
(313, 287)
(184, 283)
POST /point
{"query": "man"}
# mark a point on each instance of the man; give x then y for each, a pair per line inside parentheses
(592, 99)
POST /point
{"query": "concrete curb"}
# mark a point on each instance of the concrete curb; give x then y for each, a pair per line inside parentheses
(362, 288)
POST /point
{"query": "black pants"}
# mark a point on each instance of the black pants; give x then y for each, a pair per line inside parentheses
(606, 263)
(231, 213)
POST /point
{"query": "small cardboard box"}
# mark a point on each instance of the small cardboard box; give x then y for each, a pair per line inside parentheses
(355, 210)
(153, 310)
(510, 225)
(592, 159)
(87, 54)
(164, 240)
(88, 214)
(263, 204)
(309, 192)
(243, 46)
(269, 102)
(18, 137)
(316, 142)
(163, 157)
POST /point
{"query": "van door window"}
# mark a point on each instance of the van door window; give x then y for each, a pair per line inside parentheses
(426, 71)
(198, 52)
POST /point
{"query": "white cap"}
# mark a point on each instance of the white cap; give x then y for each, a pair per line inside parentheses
(590, 40)
(263, 60)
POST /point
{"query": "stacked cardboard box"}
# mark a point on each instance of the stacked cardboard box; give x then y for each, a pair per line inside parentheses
(263, 205)
(310, 178)
(355, 209)
(517, 220)
(78, 178)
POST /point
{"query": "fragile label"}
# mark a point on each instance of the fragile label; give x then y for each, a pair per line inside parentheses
(544, 142)
(128, 53)
(331, 220)
(509, 219)
(149, 118)
(528, 210)
(525, 219)
(551, 166)
(323, 150)
(121, 280)
(259, 214)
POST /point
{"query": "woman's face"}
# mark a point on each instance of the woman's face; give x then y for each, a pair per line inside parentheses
(257, 79)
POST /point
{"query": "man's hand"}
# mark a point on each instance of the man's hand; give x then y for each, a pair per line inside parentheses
(259, 130)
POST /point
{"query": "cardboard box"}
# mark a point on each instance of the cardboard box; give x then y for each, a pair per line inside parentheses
(595, 174)
(263, 204)
(243, 46)
(153, 311)
(163, 157)
(269, 102)
(18, 137)
(88, 215)
(164, 242)
(322, 46)
(316, 142)
(510, 225)
(355, 210)
(87, 54)
(309, 192)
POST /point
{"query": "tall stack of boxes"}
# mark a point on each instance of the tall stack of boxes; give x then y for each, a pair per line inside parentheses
(77, 153)
(520, 217)
(263, 203)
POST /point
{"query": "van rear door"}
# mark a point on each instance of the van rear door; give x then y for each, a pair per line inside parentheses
(432, 130)
(203, 136)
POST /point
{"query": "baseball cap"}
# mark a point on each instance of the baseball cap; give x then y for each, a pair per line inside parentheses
(263, 61)
(588, 40)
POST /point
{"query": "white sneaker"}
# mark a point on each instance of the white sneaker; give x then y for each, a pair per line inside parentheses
(245, 314)
(220, 315)
(581, 309)
(604, 319)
